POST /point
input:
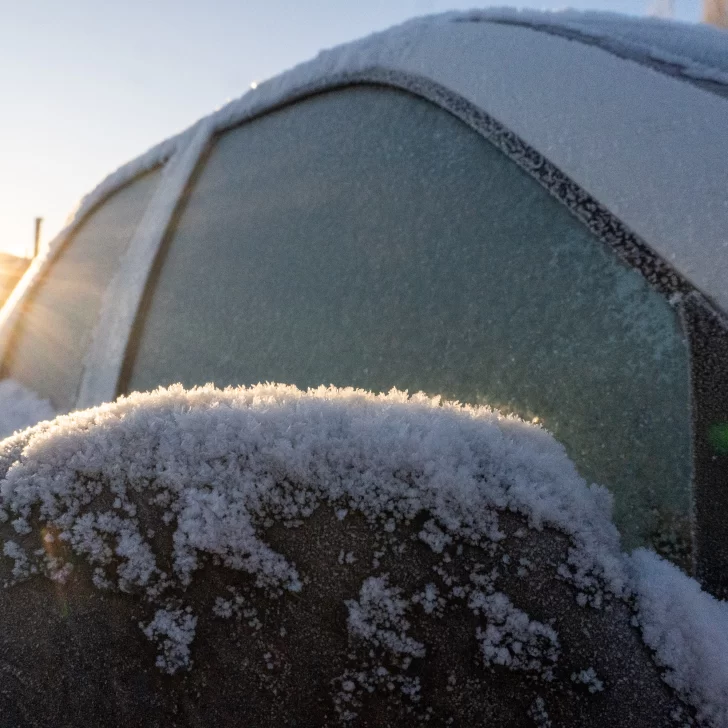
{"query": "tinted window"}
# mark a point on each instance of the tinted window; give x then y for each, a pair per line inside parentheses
(368, 238)
(50, 341)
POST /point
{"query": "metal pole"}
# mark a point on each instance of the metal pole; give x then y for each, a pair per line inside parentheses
(36, 247)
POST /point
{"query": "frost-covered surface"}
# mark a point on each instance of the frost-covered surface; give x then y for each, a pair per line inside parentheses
(687, 629)
(698, 49)
(218, 469)
(20, 407)
(300, 435)
(577, 128)
(207, 458)
(105, 355)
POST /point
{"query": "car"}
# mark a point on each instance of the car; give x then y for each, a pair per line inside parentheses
(519, 210)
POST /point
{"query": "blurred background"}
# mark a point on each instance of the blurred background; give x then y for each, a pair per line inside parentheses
(86, 85)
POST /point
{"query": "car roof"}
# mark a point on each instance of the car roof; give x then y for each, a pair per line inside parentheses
(695, 53)
(625, 107)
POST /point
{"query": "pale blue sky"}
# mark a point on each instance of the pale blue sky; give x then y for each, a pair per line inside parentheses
(87, 85)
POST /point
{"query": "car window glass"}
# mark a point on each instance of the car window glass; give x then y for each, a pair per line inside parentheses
(366, 237)
(49, 343)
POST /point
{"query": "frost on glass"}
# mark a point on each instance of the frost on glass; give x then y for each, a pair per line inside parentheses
(48, 346)
(368, 238)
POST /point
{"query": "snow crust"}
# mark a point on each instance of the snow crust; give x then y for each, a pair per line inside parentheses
(20, 407)
(217, 468)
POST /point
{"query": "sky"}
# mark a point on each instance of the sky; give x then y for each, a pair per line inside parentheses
(87, 85)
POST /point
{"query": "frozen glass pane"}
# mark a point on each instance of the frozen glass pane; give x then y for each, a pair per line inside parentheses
(368, 238)
(54, 330)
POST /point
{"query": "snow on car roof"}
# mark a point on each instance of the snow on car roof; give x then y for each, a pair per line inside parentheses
(647, 145)
(697, 51)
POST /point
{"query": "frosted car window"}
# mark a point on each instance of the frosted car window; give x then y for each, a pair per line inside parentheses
(48, 346)
(368, 238)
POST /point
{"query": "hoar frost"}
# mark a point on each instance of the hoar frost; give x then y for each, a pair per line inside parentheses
(513, 639)
(379, 617)
(589, 678)
(22, 568)
(688, 630)
(216, 469)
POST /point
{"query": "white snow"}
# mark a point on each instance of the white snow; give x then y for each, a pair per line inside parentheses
(512, 638)
(22, 568)
(174, 630)
(687, 629)
(379, 618)
(20, 407)
(430, 600)
(589, 678)
(524, 469)
(217, 462)
(222, 465)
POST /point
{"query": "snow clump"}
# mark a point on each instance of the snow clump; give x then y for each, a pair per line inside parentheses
(379, 618)
(175, 630)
